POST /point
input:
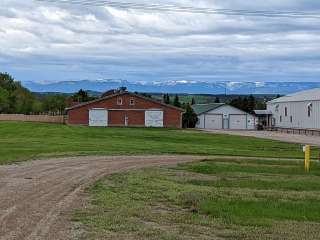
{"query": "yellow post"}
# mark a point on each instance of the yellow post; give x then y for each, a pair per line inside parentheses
(307, 154)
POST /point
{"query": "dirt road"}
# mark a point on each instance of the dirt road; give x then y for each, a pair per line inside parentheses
(36, 196)
(273, 135)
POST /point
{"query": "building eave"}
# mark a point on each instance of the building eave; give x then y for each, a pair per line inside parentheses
(121, 94)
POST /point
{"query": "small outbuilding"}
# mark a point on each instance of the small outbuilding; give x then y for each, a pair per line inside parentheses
(223, 116)
(263, 119)
(125, 109)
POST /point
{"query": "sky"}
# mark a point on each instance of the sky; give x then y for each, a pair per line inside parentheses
(50, 42)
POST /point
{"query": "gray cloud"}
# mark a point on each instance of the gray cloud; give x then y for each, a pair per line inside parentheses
(52, 42)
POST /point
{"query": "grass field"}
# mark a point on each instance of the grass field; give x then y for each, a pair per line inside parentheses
(214, 199)
(24, 141)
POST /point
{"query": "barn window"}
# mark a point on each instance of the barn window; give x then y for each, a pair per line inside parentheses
(132, 102)
(280, 118)
(285, 111)
(119, 100)
(291, 119)
(309, 109)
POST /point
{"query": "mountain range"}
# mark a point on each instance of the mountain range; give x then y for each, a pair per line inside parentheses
(189, 87)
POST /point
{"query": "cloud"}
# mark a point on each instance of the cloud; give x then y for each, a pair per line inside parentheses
(50, 42)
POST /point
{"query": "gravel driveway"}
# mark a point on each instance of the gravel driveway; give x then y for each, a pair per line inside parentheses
(285, 137)
(36, 197)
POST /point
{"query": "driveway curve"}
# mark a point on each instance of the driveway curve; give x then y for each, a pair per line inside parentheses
(36, 196)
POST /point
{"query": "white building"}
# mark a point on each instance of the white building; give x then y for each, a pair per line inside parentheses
(300, 110)
(222, 116)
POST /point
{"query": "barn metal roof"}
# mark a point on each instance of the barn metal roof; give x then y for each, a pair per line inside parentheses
(308, 95)
(124, 93)
(203, 108)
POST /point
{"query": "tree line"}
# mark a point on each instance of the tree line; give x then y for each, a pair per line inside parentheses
(15, 99)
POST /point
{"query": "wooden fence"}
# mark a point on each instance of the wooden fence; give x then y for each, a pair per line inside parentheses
(33, 118)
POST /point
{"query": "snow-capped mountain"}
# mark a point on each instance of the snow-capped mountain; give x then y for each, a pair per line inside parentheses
(182, 86)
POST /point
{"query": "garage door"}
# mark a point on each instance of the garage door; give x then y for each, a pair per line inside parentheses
(154, 118)
(98, 118)
(238, 122)
(213, 121)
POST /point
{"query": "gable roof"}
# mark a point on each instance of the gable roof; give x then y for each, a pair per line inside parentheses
(308, 95)
(120, 94)
(203, 108)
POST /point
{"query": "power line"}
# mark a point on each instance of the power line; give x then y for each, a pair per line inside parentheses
(189, 9)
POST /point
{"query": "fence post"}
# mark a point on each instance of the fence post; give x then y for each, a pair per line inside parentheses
(307, 154)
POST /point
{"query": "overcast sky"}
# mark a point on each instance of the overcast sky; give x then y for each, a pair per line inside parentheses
(47, 42)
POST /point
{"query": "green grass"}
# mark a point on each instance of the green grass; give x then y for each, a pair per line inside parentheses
(254, 199)
(24, 141)
(209, 167)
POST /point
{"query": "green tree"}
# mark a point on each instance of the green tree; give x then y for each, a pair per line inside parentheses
(245, 104)
(37, 107)
(189, 118)
(13, 97)
(217, 100)
(193, 101)
(4, 101)
(23, 100)
(251, 103)
(55, 104)
(81, 96)
(7, 82)
(123, 89)
(261, 105)
(166, 98)
(176, 101)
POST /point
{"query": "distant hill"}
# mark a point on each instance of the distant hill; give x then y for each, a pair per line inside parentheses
(190, 87)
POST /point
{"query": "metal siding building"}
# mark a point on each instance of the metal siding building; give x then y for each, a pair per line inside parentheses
(223, 116)
(300, 110)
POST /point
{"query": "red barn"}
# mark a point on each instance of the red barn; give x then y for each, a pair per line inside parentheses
(125, 109)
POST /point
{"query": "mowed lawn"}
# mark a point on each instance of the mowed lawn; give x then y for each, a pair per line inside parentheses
(213, 199)
(24, 141)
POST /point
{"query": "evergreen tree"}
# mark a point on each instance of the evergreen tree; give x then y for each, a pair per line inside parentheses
(122, 89)
(251, 103)
(189, 118)
(193, 101)
(217, 100)
(166, 98)
(245, 104)
(81, 96)
(176, 101)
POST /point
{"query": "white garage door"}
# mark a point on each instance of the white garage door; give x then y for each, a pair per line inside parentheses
(154, 118)
(213, 121)
(98, 118)
(238, 122)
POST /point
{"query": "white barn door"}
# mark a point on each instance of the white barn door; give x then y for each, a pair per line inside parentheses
(238, 122)
(154, 118)
(213, 121)
(98, 118)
